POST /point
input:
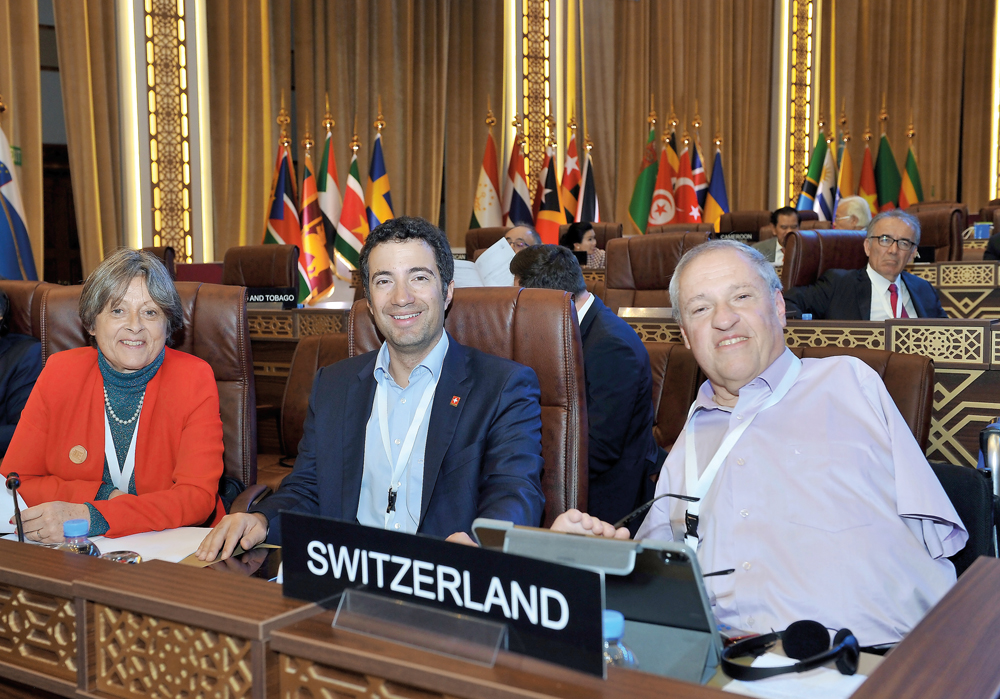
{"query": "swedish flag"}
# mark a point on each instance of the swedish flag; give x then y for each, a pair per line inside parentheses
(378, 199)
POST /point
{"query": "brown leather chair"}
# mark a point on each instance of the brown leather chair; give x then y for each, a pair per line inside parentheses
(25, 297)
(808, 220)
(639, 268)
(941, 226)
(166, 256)
(987, 212)
(538, 328)
(482, 238)
(742, 221)
(604, 231)
(680, 228)
(215, 329)
(808, 254)
(909, 378)
(261, 265)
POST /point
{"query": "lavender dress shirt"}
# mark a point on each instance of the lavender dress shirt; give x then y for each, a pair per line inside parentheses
(826, 506)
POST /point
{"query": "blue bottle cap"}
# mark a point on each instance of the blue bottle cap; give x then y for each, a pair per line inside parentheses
(75, 527)
(614, 624)
(807, 316)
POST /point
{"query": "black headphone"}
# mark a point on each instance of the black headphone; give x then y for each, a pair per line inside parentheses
(805, 641)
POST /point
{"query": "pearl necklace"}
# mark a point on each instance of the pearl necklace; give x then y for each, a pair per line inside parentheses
(111, 411)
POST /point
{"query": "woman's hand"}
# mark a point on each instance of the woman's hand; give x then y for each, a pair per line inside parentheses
(115, 493)
(44, 522)
(576, 522)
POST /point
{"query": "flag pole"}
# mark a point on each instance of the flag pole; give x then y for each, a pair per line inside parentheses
(883, 115)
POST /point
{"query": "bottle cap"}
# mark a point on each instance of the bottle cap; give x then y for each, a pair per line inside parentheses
(807, 316)
(614, 624)
(76, 527)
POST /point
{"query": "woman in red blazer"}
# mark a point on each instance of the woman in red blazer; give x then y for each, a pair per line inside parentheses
(126, 434)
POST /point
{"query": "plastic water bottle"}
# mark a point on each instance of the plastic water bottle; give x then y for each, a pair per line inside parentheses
(75, 532)
(616, 652)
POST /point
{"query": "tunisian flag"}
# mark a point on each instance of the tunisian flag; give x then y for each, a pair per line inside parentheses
(662, 210)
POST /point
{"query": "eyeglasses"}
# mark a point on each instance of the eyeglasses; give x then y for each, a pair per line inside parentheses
(886, 241)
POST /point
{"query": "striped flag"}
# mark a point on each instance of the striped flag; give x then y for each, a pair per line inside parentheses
(698, 173)
(328, 189)
(684, 194)
(551, 215)
(318, 270)
(826, 190)
(587, 208)
(717, 201)
(352, 229)
(570, 188)
(16, 258)
(845, 178)
(866, 185)
(645, 184)
(887, 180)
(809, 186)
(486, 209)
(283, 217)
(378, 199)
(543, 174)
(516, 209)
(911, 191)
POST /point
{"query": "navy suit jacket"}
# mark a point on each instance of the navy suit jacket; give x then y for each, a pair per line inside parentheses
(842, 294)
(622, 450)
(482, 459)
(20, 365)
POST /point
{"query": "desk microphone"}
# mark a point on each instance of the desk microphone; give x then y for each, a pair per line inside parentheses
(13, 483)
(642, 508)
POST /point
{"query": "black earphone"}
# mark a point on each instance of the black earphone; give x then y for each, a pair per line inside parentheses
(805, 641)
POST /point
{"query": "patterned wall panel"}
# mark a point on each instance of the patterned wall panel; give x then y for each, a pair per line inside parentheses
(321, 323)
(926, 272)
(983, 274)
(945, 344)
(593, 275)
(965, 401)
(656, 331)
(271, 326)
(142, 656)
(971, 303)
(825, 336)
(38, 632)
(304, 678)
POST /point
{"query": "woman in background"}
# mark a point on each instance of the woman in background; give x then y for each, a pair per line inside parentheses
(580, 237)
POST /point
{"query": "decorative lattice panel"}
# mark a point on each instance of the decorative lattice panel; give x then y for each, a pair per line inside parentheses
(304, 678)
(265, 326)
(535, 84)
(929, 273)
(965, 401)
(38, 632)
(142, 656)
(657, 332)
(956, 345)
(813, 336)
(312, 323)
(800, 93)
(593, 275)
(967, 274)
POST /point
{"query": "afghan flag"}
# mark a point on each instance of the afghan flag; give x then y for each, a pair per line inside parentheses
(16, 258)
(911, 191)
(662, 209)
(552, 214)
(717, 201)
(866, 185)
(815, 173)
(314, 239)
(378, 199)
(352, 229)
(887, 180)
(684, 194)
(645, 184)
(516, 209)
(328, 189)
(486, 208)
(543, 174)
(587, 208)
(570, 188)
(283, 217)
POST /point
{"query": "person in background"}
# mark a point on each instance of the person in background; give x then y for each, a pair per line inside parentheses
(20, 364)
(785, 220)
(520, 237)
(580, 237)
(852, 212)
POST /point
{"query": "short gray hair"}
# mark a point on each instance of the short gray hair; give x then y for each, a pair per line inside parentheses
(857, 207)
(900, 215)
(110, 281)
(764, 268)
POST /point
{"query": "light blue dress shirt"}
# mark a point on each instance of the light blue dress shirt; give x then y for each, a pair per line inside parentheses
(402, 404)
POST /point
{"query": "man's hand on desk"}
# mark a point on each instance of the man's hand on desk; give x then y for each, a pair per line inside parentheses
(44, 522)
(576, 522)
(245, 529)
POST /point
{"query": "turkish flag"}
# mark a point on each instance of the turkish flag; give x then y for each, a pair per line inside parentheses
(684, 194)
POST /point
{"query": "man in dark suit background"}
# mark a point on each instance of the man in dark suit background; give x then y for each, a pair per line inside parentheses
(622, 451)
(423, 435)
(882, 289)
(20, 365)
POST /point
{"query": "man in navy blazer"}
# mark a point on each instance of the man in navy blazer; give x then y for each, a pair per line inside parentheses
(461, 440)
(622, 453)
(880, 291)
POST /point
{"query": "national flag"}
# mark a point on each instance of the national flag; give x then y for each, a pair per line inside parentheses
(673, 158)
(827, 189)
(328, 190)
(16, 258)
(911, 191)
(378, 199)
(516, 209)
(684, 194)
(570, 188)
(662, 209)
(318, 270)
(352, 229)
(698, 173)
(717, 201)
(486, 209)
(808, 195)
(587, 209)
(543, 173)
(283, 216)
(645, 183)
(552, 214)
(887, 180)
(866, 185)
(845, 178)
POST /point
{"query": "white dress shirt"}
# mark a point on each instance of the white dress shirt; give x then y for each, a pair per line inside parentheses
(881, 307)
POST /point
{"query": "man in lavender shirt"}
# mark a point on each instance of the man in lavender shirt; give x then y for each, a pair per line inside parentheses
(825, 505)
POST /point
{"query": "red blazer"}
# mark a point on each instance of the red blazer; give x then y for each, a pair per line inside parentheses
(178, 449)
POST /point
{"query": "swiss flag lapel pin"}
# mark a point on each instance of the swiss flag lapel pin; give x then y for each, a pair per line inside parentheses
(454, 401)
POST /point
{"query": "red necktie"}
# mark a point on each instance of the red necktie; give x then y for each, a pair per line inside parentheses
(893, 300)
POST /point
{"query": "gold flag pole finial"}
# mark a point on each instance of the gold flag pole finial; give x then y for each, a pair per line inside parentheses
(883, 115)
(491, 120)
(846, 137)
(283, 121)
(867, 134)
(379, 120)
(718, 139)
(328, 122)
(587, 143)
(550, 131)
(672, 119)
(696, 122)
(571, 124)
(355, 141)
(307, 140)
(651, 119)
(911, 133)
(685, 137)
(3, 107)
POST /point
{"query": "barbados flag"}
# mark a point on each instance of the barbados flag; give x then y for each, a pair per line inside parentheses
(16, 260)
(378, 200)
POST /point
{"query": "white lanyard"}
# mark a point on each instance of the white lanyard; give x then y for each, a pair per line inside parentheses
(887, 306)
(121, 477)
(411, 435)
(698, 487)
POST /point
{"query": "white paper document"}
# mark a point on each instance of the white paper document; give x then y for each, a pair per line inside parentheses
(491, 269)
(821, 683)
(170, 545)
(7, 511)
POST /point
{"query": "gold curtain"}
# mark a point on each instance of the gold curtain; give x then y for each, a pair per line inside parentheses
(714, 51)
(976, 186)
(20, 86)
(88, 67)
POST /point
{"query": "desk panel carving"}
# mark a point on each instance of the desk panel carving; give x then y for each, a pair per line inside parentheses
(966, 274)
(38, 632)
(319, 323)
(142, 656)
(820, 336)
(965, 401)
(271, 325)
(927, 272)
(957, 344)
(305, 678)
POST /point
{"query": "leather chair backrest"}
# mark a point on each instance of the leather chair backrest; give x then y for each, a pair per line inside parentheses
(909, 378)
(744, 221)
(482, 238)
(808, 254)
(639, 268)
(312, 353)
(808, 216)
(166, 256)
(987, 212)
(215, 329)
(604, 231)
(941, 226)
(261, 265)
(25, 298)
(680, 228)
(537, 328)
